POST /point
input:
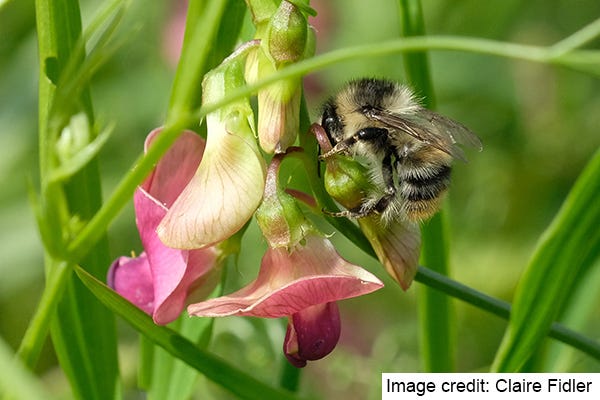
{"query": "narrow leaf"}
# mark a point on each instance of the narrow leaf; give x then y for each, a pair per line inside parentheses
(213, 367)
(567, 247)
(578, 314)
(16, 381)
(83, 331)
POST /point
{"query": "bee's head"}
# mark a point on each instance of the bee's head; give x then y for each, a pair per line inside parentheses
(331, 123)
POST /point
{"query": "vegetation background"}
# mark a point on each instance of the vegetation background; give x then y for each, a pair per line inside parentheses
(539, 124)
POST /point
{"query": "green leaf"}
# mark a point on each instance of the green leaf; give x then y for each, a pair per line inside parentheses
(568, 247)
(172, 379)
(214, 368)
(168, 377)
(83, 331)
(16, 382)
(578, 314)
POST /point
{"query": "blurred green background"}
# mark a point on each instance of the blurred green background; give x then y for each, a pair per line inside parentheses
(539, 125)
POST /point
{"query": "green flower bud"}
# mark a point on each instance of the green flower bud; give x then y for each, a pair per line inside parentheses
(287, 34)
(279, 217)
(346, 180)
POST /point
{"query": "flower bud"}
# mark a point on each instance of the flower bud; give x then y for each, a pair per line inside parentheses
(287, 34)
(284, 40)
(312, 333)
(281, 220)
(346, 180)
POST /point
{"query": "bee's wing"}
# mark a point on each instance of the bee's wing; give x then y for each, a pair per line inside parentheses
(432, 128)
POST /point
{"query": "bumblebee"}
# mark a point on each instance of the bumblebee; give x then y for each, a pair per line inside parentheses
(408, 149)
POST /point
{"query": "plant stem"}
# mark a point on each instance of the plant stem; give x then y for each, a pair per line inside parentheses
(576, 40)
(83, 331)
(435, 311)
(37, 330)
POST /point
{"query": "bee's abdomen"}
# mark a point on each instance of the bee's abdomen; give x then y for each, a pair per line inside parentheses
(423, 189)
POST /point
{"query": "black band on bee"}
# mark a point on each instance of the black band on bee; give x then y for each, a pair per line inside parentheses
(371, 92)
(435, 176)
(418, 188)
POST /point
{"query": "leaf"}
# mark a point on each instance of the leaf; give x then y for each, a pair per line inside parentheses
(213, 367)
(83, 331)
(16, 382)
(567, 248)
(169, 377)
(80, 159)
(172, 379)
(578, 314)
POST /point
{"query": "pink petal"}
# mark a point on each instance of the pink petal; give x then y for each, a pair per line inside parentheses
(176, 167)
(132, 279)
(163, 279)
(312, 333)
(289, 282)
(174, 271)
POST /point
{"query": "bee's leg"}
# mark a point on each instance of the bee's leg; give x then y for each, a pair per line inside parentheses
(341, 147)
(372, 134)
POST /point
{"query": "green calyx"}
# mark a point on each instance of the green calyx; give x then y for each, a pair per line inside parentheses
(346, 180)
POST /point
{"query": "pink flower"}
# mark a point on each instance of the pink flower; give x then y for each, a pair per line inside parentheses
(227, 186)
(161, 279)
(301, 276)
(289, 281)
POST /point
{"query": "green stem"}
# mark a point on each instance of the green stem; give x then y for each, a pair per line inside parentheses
(435, 310)
(37, 330)
(83, 331)
(200, 34)
(436, 339)
(416, 64)
(57, 32)
(502, 309)
(576, 40)
(411, 44)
